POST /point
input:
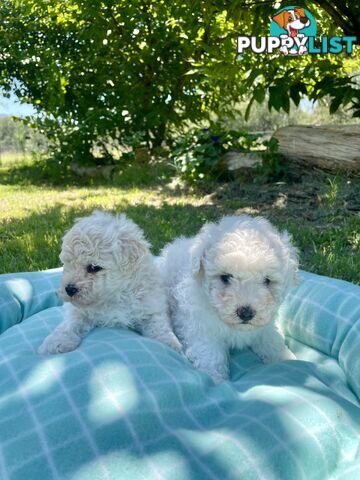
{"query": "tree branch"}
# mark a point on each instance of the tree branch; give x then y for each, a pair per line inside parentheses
(349, 27)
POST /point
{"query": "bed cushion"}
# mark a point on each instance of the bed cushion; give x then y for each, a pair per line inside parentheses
(123, 406)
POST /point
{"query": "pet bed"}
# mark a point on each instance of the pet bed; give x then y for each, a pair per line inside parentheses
(123, 406)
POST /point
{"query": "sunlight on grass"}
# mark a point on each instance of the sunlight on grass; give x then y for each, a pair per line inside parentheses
(14, 158)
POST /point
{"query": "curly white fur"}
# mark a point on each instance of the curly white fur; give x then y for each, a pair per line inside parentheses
(240, 267)
(125, 291)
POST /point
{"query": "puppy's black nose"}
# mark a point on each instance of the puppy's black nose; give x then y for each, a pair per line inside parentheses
(304, 20)
(245, 313)
(71, 290)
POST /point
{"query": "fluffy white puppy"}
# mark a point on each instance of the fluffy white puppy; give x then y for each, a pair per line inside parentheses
(225, 286)
(109, 279)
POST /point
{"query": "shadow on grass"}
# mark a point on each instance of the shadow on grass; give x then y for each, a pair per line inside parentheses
(33, 242)
(52, 173)
(302, 191)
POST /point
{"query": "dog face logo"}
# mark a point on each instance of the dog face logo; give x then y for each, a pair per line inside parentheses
(293, 25)
(292, 20)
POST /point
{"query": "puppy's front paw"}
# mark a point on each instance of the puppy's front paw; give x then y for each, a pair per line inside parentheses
(219, 377)
(200, 355)
(285, 354)
(172, 341)
(59, 344)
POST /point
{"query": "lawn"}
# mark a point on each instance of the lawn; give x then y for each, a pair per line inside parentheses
(38, 204)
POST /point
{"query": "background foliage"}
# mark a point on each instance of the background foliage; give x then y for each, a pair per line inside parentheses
(140, 71)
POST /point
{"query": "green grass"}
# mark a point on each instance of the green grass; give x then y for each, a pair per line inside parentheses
(38, 204)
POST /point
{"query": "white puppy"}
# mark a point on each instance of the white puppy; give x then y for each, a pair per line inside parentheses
(109, 279)
(225, 286)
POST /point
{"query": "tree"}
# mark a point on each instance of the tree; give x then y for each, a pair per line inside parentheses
(346, 15)
(136, 71)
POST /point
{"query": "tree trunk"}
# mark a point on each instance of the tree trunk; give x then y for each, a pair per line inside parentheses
(329, 147)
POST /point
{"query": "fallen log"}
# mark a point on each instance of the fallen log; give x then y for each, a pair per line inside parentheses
(234, 160)
(97, 171)
(328, 147)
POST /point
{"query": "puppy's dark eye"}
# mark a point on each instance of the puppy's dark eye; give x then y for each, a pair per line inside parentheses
(93, 268)
(267, 281)
(225, 278)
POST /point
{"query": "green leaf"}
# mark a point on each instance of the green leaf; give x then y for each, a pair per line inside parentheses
(295, 94)
(259, 94)
(254, 73)
(248, 109)
(275, 98)
(335, 104)
(286, 103)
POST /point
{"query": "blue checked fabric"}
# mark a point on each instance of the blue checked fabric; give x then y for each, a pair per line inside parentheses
(126, 407)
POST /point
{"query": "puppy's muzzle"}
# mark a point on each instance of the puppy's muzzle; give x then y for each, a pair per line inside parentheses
(71, 290)
(245, 313)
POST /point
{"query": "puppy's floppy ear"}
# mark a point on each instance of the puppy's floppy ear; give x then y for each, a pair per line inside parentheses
(292, 261)
(198, 248)
(129, 250)
(281, 18)
(300, 12)
(129, 244)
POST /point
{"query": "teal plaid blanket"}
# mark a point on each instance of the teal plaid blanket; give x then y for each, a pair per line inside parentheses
(126, 407)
